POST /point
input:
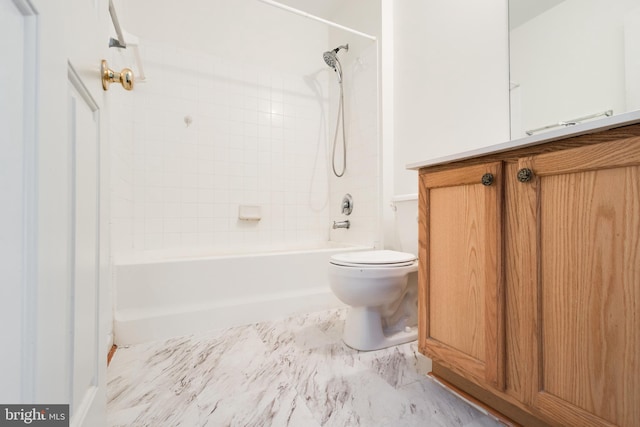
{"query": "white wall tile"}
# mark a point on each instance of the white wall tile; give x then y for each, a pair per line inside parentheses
(258, 136)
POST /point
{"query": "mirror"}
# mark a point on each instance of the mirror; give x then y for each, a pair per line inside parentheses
(572, 61)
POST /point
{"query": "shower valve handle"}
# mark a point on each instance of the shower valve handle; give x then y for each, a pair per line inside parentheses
(347, 204)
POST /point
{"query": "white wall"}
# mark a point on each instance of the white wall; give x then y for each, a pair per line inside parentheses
(570, 61)
(632, 59)
(387, 61)
(13, 189)
(361, 178)
(257, 138)
(259, 96)
(239, 30)
(362, 15)
(121, 117)
(363, 175)
(450, 80)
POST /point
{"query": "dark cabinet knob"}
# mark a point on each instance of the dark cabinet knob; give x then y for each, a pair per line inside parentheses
(487, 179)
(525, 175)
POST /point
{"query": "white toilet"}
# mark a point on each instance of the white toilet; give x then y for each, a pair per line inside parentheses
(381, 286)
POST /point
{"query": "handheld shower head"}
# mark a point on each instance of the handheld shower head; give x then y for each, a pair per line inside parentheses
(331, 57)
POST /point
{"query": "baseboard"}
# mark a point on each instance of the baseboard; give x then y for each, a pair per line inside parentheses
(486, 399)
(475, 402)
(112, 351)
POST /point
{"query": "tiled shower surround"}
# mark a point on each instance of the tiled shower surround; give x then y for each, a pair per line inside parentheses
(204, 135)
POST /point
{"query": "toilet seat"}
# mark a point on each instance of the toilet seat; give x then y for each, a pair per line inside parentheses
(374, 259)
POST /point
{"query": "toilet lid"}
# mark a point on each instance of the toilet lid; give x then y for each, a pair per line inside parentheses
(383, 258)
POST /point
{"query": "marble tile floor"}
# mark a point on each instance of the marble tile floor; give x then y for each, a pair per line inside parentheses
(292, 372)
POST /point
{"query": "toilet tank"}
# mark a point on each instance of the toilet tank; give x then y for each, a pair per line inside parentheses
(406, 222)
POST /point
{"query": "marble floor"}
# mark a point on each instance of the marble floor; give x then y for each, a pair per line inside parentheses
(292, 372)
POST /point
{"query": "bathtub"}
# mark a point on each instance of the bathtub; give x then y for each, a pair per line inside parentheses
(162, 295)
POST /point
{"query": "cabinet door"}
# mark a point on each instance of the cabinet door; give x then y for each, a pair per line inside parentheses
(585, 203)
(461, 301)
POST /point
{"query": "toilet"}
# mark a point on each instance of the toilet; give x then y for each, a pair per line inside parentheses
(380, 286)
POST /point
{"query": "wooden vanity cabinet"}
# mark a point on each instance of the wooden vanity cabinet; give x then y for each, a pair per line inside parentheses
(530, 286)
(461, 270)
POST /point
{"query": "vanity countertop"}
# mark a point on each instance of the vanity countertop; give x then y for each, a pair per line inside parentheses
(619, 120)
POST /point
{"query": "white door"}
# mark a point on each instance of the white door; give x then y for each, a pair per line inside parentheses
(54, 295)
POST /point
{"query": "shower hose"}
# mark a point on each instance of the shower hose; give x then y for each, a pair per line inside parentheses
(340, 118)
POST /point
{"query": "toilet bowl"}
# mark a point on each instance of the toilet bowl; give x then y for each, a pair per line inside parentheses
(375, 286)
(381, 286)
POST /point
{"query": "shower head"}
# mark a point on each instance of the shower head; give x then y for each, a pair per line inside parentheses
(330, 56)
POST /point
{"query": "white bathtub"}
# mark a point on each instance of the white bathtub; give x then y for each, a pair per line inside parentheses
(158, 297)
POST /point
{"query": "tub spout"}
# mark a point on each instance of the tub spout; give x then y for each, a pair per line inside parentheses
(341, 224)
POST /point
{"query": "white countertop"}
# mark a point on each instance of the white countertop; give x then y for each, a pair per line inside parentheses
(619, 120)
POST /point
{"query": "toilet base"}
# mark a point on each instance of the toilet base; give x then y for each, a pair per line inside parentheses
(363, 331)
